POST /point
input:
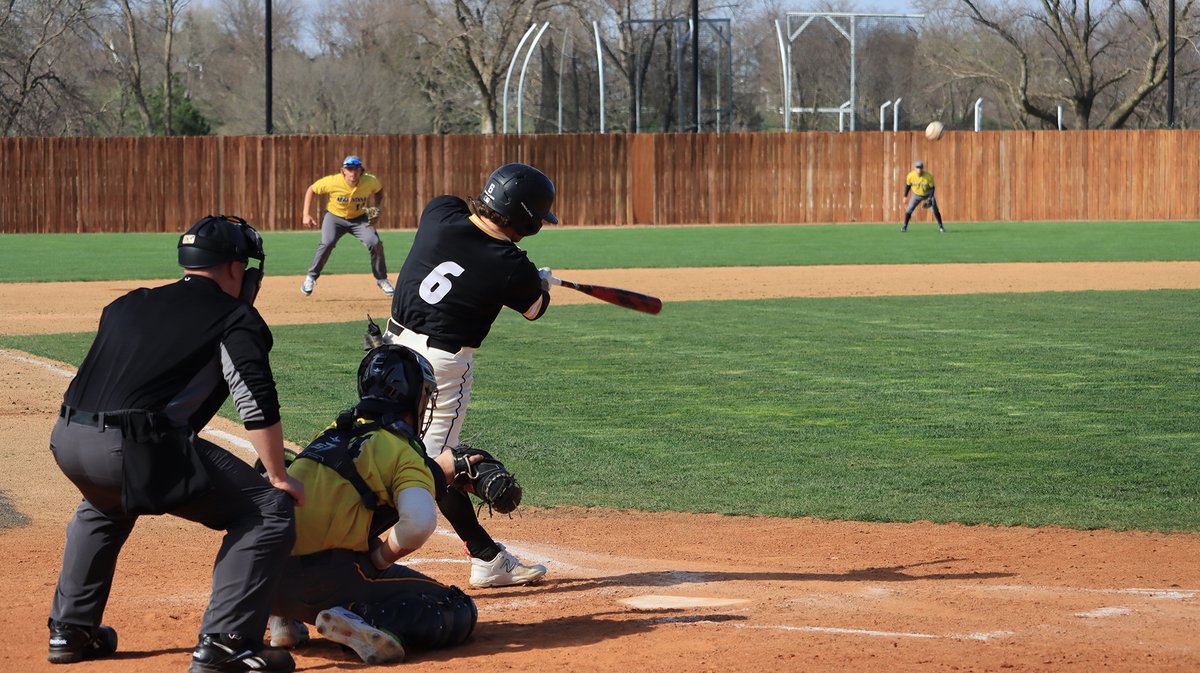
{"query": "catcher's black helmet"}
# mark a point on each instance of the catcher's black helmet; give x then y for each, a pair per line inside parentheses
(521, 193)
(401, 376)
(216, 239)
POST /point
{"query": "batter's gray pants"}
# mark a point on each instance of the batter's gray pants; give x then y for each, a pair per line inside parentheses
(333, 228)
(256, 517)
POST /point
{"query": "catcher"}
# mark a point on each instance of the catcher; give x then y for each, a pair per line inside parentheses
(371, 500)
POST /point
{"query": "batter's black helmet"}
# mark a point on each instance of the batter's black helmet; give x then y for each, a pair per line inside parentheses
(521, 193)
(216, 239)
(401, 376)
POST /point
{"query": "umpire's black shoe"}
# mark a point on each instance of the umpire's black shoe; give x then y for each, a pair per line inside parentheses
(231, 653)
(70, 643)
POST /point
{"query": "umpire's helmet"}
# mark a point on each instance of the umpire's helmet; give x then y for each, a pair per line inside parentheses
(521, 193)
(397, 375)
(216, 239)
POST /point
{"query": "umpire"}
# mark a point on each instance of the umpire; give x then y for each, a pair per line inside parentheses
(162, 363)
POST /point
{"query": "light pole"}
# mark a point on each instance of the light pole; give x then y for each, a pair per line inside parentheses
(267, 40)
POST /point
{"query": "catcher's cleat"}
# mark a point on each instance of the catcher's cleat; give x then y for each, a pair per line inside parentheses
(307, 286)
(374, 646)
(386, 287)
(286, 632)
(70, 643)
(231, 653)
(504, 571)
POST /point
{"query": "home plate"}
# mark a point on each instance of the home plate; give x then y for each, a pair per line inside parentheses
(652, 602)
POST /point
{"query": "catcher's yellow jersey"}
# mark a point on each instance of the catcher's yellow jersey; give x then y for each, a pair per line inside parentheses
(333, 515)
(920, 183)
(346, 201)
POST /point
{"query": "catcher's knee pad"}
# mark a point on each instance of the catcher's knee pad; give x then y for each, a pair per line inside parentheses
(418, 518)
(429, 618)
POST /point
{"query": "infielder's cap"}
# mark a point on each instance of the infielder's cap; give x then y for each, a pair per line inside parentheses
(920, 164)
(352, 160)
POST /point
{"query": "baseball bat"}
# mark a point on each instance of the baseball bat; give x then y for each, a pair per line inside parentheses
(613, 295)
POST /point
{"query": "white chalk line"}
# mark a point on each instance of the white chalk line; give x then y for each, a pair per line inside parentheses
(983, 636)
(1164, 594)
(15, 355)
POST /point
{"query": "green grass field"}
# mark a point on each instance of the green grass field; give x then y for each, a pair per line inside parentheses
(69, 257)
(1075, 409)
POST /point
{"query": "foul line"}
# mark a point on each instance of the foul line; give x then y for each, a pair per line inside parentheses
(14, 355)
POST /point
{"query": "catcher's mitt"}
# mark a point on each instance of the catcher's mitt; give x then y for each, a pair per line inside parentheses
(927, 204)
(488, 479)
(373, 213)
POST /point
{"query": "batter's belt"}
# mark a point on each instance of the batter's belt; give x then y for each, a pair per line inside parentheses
(396, 329)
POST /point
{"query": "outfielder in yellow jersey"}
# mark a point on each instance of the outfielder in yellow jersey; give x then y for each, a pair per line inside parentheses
(353, 199)
(920, 183)
(370, 500)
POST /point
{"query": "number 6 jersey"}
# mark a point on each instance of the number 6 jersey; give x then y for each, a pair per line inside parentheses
(459, 273)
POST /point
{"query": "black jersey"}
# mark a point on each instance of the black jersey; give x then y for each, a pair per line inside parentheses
(180, 349)
(459, 274)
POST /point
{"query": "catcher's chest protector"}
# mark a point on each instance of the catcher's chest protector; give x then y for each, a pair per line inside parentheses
(336, 448)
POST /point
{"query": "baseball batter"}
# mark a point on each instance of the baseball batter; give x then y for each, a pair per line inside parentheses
(353, 198)
(463, 268)
(920, 182)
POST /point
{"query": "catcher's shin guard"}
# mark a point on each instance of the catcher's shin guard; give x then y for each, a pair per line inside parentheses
(428, 619)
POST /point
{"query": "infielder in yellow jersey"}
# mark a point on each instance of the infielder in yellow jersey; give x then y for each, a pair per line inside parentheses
(352, 202)
(920, 182)
(370, 500)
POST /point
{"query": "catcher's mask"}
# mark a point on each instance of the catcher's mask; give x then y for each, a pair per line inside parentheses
(216, 239)
(401, 376)
(521, 193)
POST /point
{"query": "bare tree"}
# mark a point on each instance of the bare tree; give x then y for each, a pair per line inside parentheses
(33, 83)
(1094, 47)
(485, 34)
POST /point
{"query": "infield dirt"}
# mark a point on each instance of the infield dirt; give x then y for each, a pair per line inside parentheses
(630, 591)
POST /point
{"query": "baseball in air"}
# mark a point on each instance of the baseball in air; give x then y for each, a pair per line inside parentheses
(934, 130)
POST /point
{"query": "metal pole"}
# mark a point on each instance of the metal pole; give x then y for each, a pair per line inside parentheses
(637, 87)
(783, 72)
(1171, 64)
(842, 116)
(562, 65)
(600, 69)
(696, 56)
(267, 42)
(896, 115)
(508, 76)
(883, 115)
(853, 73)
(978, 115)
(521, 79)
(1059, 117)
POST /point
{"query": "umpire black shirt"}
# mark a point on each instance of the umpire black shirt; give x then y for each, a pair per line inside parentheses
(459, 274)
(180, 349)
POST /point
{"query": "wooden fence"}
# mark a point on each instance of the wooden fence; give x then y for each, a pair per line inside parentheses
(164, 184)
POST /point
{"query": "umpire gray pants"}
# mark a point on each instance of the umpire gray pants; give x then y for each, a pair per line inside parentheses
(256, 517)
(333, 228)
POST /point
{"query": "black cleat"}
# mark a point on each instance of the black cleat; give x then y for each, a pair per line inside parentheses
(70, 643)
(231, 653)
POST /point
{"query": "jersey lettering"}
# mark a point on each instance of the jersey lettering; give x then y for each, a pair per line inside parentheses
(437, 284)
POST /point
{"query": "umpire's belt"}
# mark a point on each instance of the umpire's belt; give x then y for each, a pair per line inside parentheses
(134, 423)
(396, 329)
